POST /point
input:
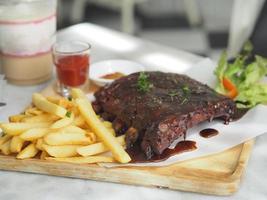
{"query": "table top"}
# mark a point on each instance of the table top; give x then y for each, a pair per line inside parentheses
(108, 44)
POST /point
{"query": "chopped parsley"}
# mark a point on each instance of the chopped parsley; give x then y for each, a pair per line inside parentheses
(143, 83)
(68, 114)
(184, 101)
(186, 90)
(70, 98)
(173, 93)
(185, 96)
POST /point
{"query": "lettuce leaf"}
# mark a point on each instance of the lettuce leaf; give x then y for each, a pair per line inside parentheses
(219, 72)
(247, 77)
(253, 95)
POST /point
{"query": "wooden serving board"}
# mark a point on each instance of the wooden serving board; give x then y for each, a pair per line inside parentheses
(218, 174)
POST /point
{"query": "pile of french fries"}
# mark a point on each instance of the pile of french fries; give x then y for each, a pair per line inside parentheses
(60, 129)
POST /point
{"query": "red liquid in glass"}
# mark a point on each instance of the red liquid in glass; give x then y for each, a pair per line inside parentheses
(73, 70)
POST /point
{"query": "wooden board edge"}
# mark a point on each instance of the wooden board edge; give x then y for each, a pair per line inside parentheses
(116, 175)
(243, 159)
(225, 186)
(229, 184)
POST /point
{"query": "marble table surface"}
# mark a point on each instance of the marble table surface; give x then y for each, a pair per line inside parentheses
(110, 44)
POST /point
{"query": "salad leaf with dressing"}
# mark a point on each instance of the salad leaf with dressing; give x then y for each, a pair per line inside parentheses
(242, 80)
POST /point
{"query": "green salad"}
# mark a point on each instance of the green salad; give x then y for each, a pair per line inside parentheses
(242, 79)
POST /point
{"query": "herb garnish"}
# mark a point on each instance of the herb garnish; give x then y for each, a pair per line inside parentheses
(186, 93)
(186, 90)
(173, 93)
(68, 114)
(70, 98)
(184, 100)
(143, 83)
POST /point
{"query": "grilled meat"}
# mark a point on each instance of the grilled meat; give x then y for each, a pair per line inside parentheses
(161, 114)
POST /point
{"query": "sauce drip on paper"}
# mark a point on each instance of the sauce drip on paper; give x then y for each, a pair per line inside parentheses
(138, 156)
(208, 132)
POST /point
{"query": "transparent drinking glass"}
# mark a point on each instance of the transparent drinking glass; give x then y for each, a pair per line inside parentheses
(72, 61)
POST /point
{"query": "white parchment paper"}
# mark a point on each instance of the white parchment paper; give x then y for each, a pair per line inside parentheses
(253, 124)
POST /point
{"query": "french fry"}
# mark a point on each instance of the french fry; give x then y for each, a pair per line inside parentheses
(33, 134)
(85, 126)
(97, 148)
(42, 103)
(101, 131)
(61, 151)
(79, 121)
(66, 121)
(92, 136)
(112, 131)
(107, 124)
(73, 129)
(63, 130)
(43, 155)
(28, 152)
(33, 111)
(5, 147)
(77, 93)
(65, 103)
(74, 110)
(4, 138)
(83, 160)
(16, 128)
(60, 138)
(16, 144)
(52, 99)
(16, 118)
(39, 144)
(40, 118)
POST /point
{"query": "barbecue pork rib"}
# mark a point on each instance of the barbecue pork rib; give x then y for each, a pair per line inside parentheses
(157, 117)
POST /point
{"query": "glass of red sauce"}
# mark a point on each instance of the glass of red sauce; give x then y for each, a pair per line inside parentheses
(72, 61)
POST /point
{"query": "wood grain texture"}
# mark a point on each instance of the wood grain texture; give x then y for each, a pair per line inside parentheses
(218, 174)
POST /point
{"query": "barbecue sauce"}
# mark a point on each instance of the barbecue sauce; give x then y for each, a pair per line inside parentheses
(208, 132)
(73, 70)
(138, 156)
(112, 76)
(239, 113)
